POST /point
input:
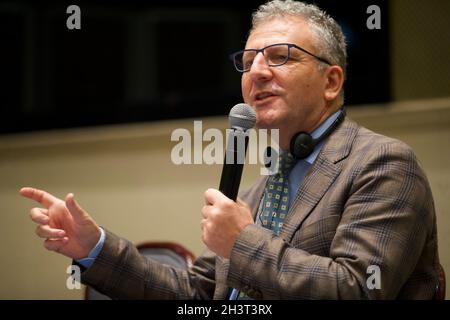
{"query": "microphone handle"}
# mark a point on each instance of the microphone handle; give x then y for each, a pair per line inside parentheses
(233, 164)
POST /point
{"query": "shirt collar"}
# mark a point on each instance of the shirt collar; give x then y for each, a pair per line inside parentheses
(318, 132)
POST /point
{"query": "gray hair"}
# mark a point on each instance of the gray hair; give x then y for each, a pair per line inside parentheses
(329, 38)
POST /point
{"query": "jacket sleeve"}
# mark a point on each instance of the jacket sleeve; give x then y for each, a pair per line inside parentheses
(121, 272)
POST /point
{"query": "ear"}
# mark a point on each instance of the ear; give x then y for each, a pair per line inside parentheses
(334, 82)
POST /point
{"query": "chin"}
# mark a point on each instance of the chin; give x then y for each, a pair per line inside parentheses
(266, 124)
(267, 119)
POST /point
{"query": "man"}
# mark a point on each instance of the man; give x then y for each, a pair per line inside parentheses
(358, 202)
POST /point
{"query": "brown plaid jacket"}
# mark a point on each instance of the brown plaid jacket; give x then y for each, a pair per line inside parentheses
(364, 201)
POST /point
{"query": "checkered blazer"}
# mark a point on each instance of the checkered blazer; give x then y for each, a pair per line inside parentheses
(364, 202)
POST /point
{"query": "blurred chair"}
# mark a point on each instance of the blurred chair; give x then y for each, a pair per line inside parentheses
(440, 290)
(169, 253)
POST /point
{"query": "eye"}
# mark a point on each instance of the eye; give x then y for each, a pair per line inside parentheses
(278, 58)
(247, 63)
(277, 54)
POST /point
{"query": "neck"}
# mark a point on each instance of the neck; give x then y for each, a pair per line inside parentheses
(286, 135)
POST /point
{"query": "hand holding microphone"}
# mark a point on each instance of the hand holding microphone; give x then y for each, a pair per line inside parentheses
(223, 218)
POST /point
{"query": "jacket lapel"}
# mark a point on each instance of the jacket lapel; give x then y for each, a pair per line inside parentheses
(320, 176)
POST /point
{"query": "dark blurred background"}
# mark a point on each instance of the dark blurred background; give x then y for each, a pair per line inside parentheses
(150, 60)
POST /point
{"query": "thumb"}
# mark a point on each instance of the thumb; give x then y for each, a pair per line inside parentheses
(74, 208)
(213, 195)
(210, 196)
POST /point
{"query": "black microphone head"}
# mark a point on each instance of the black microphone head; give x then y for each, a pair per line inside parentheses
(242, 116)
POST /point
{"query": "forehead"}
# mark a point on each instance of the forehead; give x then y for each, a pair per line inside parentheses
(287, 29)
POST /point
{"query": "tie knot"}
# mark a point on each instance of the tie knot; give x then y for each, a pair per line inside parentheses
(286, 162)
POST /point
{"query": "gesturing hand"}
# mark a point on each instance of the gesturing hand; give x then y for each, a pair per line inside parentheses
(67, 228)
(223, 221)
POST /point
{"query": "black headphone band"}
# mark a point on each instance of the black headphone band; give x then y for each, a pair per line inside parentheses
(302, 143)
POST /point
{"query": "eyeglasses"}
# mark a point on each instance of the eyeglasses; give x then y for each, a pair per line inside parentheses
(276, 55)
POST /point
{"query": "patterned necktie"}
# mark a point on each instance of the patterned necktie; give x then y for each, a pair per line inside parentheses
(276, 195)
(275, 204)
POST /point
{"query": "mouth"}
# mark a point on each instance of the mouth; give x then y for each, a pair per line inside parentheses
(262, 97)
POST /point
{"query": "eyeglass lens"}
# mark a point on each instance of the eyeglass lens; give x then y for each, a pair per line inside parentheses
(275, 55)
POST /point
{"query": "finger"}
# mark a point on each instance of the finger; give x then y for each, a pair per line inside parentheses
(75, 210)
(45, 231)
(39, 215)
(213, 195)
(208, 200)
(202, 224)
(55, 244)
(205, 211)
(44, 198)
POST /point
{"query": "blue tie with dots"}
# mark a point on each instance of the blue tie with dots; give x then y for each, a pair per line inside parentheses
(276, 195)
(275, 204)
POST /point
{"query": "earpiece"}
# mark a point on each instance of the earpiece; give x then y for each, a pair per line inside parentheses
(302, 143)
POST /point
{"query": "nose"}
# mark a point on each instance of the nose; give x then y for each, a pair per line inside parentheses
(260, 70)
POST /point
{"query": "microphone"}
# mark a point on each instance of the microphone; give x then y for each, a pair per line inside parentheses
(242, 117)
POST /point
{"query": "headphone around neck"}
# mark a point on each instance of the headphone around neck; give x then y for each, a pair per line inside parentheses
(302, 143)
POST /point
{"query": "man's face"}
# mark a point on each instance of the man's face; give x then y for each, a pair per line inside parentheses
(288, 97)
